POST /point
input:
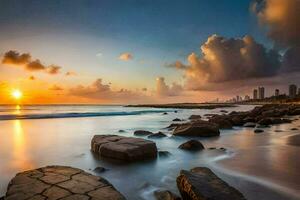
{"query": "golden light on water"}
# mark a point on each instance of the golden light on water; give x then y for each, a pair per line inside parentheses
(17, 94)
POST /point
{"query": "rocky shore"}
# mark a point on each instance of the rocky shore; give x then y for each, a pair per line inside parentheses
(186, 105)
(67, 183)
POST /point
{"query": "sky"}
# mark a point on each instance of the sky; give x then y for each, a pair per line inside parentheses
(122, 52)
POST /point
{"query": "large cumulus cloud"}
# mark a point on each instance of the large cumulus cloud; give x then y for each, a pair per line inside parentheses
(281, 19)
(228, 59)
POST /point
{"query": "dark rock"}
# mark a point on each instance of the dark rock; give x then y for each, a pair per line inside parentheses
(258, 131)
(164, 154)
(99, 169)
(175, 111)
(123, 148)
(165, 195)
(157, 135)
(278, 130)
(294, 112)
(165, 113)
(176, 120)
(121, 131)
(223, 149)
(212, 148)
(294, 129)
(200, 128)
(223, 111)
(249, 119)
(142, 133)
(60, 182)
(172, 126)
(222, 121)
(250, 124)
(195, 117)
(192, 145)
(262, 126)
(202, 184)
(271, 121)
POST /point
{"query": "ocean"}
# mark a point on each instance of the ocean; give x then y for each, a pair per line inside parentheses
(261, 166)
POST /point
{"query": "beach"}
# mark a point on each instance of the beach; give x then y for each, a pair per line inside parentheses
(261, 166)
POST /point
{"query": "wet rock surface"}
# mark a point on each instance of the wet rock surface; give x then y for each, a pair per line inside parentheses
(165, 195)
(192, 145)
(197, 128)
(123, 148)
(142, 133)
(202, 184)
(157, 135)
(60, 182)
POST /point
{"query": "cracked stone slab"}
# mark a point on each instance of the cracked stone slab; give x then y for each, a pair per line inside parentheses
(123, 148)
(60, 182)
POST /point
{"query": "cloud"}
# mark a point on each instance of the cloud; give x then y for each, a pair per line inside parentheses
(126, 56)
(35, 66)
(162, 89)
(53, 69)
(31, 78)
(70, 73)
(228, 59)
(15, 58)
(56, 88)
(25, 60)
(281, 19)
(103, 92)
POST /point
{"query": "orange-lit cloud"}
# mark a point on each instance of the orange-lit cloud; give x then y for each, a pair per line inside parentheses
(229, 59)
(162, 89)
(282, 21)
(24, 60)
(56, 87)
(126, 56)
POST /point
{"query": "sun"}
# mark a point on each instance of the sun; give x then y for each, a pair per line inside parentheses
(17, 94)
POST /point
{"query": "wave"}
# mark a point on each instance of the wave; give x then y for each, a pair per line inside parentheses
(76, 115)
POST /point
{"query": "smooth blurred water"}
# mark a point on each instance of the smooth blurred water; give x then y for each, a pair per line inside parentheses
(262, 166)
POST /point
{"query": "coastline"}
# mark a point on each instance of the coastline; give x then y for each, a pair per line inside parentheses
(186, 105)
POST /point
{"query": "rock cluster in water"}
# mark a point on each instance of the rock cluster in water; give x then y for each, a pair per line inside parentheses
(123, 148)
(60, 182)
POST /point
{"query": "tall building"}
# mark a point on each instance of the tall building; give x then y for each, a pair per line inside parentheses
(292, 90)
(261, 92)
(276, 92)
(255, 94)
(247, 98)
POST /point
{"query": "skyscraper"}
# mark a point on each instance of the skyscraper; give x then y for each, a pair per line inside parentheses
(276, 92)
(261, 92)
(255, 94)
(292, 90)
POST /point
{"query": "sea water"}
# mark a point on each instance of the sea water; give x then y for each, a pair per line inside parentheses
(261, 166)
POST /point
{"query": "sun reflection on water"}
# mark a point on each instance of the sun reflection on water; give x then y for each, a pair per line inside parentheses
(21, 157)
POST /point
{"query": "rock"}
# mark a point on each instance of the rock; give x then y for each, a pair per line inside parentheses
(250, 124)
(212, 148)
(175, 111)
(176, 120)
(192, 145)
(157, 135)
(223, 149)
(165, 195)
(294, 129)
(60, 182)
(270, 121)
(121, 131)
(99, 169)
(165, 113)
(164, 154)
(278, 130)
(142, 133)
(249, 119)
(200, 128)
(294, 112)
(123, 148)
(222, 121)
(223, 111)
(202, 184)
(262, 126)
(258, 131)
(195, 117)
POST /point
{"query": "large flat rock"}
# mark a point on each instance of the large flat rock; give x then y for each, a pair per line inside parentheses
(197, 128)
(60, 182)
(123, 148)
(202, 184)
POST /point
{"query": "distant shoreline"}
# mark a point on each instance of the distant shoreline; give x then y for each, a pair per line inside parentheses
(186, 105)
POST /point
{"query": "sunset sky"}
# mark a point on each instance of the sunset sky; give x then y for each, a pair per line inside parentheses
(143, 51)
